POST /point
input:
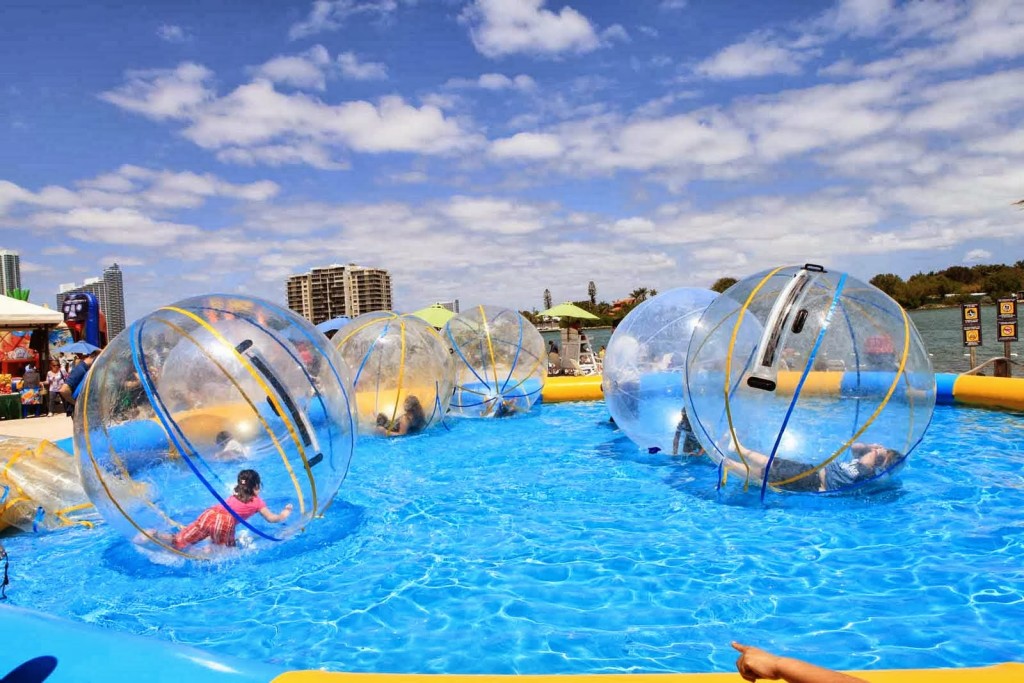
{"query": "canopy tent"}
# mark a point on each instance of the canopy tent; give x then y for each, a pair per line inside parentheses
(568, 310)
(21, 315)
(17, 315)
(435, 315)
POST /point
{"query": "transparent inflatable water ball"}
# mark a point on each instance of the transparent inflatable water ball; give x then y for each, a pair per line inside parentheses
(194, 393)
(644, 367)
(401, 366)
(500, 362)
(802, 379)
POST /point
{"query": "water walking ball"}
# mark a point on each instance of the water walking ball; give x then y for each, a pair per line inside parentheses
(806, 380)
(397, 362)
(500, 362)
(195, 392)
(644, 367)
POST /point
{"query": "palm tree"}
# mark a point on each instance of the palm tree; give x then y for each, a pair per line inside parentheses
(592, 293)
(639, 294)
(547, 299)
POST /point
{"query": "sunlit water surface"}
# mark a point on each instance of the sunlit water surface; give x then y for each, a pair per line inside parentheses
(546, 543)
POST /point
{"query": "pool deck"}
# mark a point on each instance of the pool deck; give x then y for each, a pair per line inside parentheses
(53, 428)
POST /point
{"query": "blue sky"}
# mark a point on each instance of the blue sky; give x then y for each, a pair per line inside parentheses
(488, 149)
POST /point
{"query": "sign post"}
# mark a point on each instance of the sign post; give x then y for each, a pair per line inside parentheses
(970, 324)
(1006, 321)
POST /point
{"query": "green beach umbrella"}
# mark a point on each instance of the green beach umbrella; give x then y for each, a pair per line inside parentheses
(568, 310)
(435, 315)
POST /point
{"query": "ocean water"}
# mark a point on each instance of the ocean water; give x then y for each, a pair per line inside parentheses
(548, 543)
(939, 329)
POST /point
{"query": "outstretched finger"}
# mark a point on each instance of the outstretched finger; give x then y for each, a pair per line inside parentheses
(739, 647)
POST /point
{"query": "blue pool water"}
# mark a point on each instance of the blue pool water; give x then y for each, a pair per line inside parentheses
(546, 543)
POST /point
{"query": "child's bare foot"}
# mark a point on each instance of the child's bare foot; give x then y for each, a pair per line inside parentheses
(148, 535)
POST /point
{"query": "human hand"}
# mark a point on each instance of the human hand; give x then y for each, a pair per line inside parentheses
(755, 663)
(287, 510)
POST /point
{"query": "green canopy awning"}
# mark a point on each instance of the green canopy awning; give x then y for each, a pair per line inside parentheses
(568, 310)
(434, 315)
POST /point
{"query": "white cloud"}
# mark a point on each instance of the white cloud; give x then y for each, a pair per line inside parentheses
(132, 209)
(861, 17)
(330, 15)
(527, 146)
(756, 56)
(256, 115)
(307, 70)
(798, 121)
(169, 33)
(947, 34)
(504, 27)
(11, 194)
(495, 216)
(284, 154)
(501, 82)
(968, 103)
(60, 250)
(352, 68)
(977, 256)
(256, 123)
(494, 82)
(116, 226)
(635, 226)
(164, 93)
(123, 261)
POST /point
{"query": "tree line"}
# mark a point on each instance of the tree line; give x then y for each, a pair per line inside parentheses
(948, 287)
(607, 313)
(954, 285)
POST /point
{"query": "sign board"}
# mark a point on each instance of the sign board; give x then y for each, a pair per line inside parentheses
(970, 323)
(1007, 332)
(972, 336)
(1007, 310)
(970, 314)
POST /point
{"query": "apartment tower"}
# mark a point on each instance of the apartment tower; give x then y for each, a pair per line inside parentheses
(332, 291)
(10, 271)
(114, 310)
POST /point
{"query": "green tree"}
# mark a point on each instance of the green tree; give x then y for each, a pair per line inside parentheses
(723, 283)
(891, 284)
(592, 293)
(639, 294)
(960, 274)
(547, 299)
(1002, 283)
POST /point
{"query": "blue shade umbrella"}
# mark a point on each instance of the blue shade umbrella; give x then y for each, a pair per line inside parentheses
(79, 347)
(332, 325)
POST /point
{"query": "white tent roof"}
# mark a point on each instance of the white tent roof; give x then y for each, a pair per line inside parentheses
(21, 315)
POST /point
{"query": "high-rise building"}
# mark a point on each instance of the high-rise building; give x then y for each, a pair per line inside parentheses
(114, 309)
(92, 285)
(10, 271)
(108, 290)
(331, 291)
(299, 298)
(366, 289)
(452, 305)
(327, 293)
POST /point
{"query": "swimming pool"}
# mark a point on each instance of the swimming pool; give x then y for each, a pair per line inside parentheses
(546, 543)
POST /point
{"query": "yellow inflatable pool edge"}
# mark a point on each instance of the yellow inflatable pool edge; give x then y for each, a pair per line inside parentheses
(1009, 672)
(561, 389)
(998, 393)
